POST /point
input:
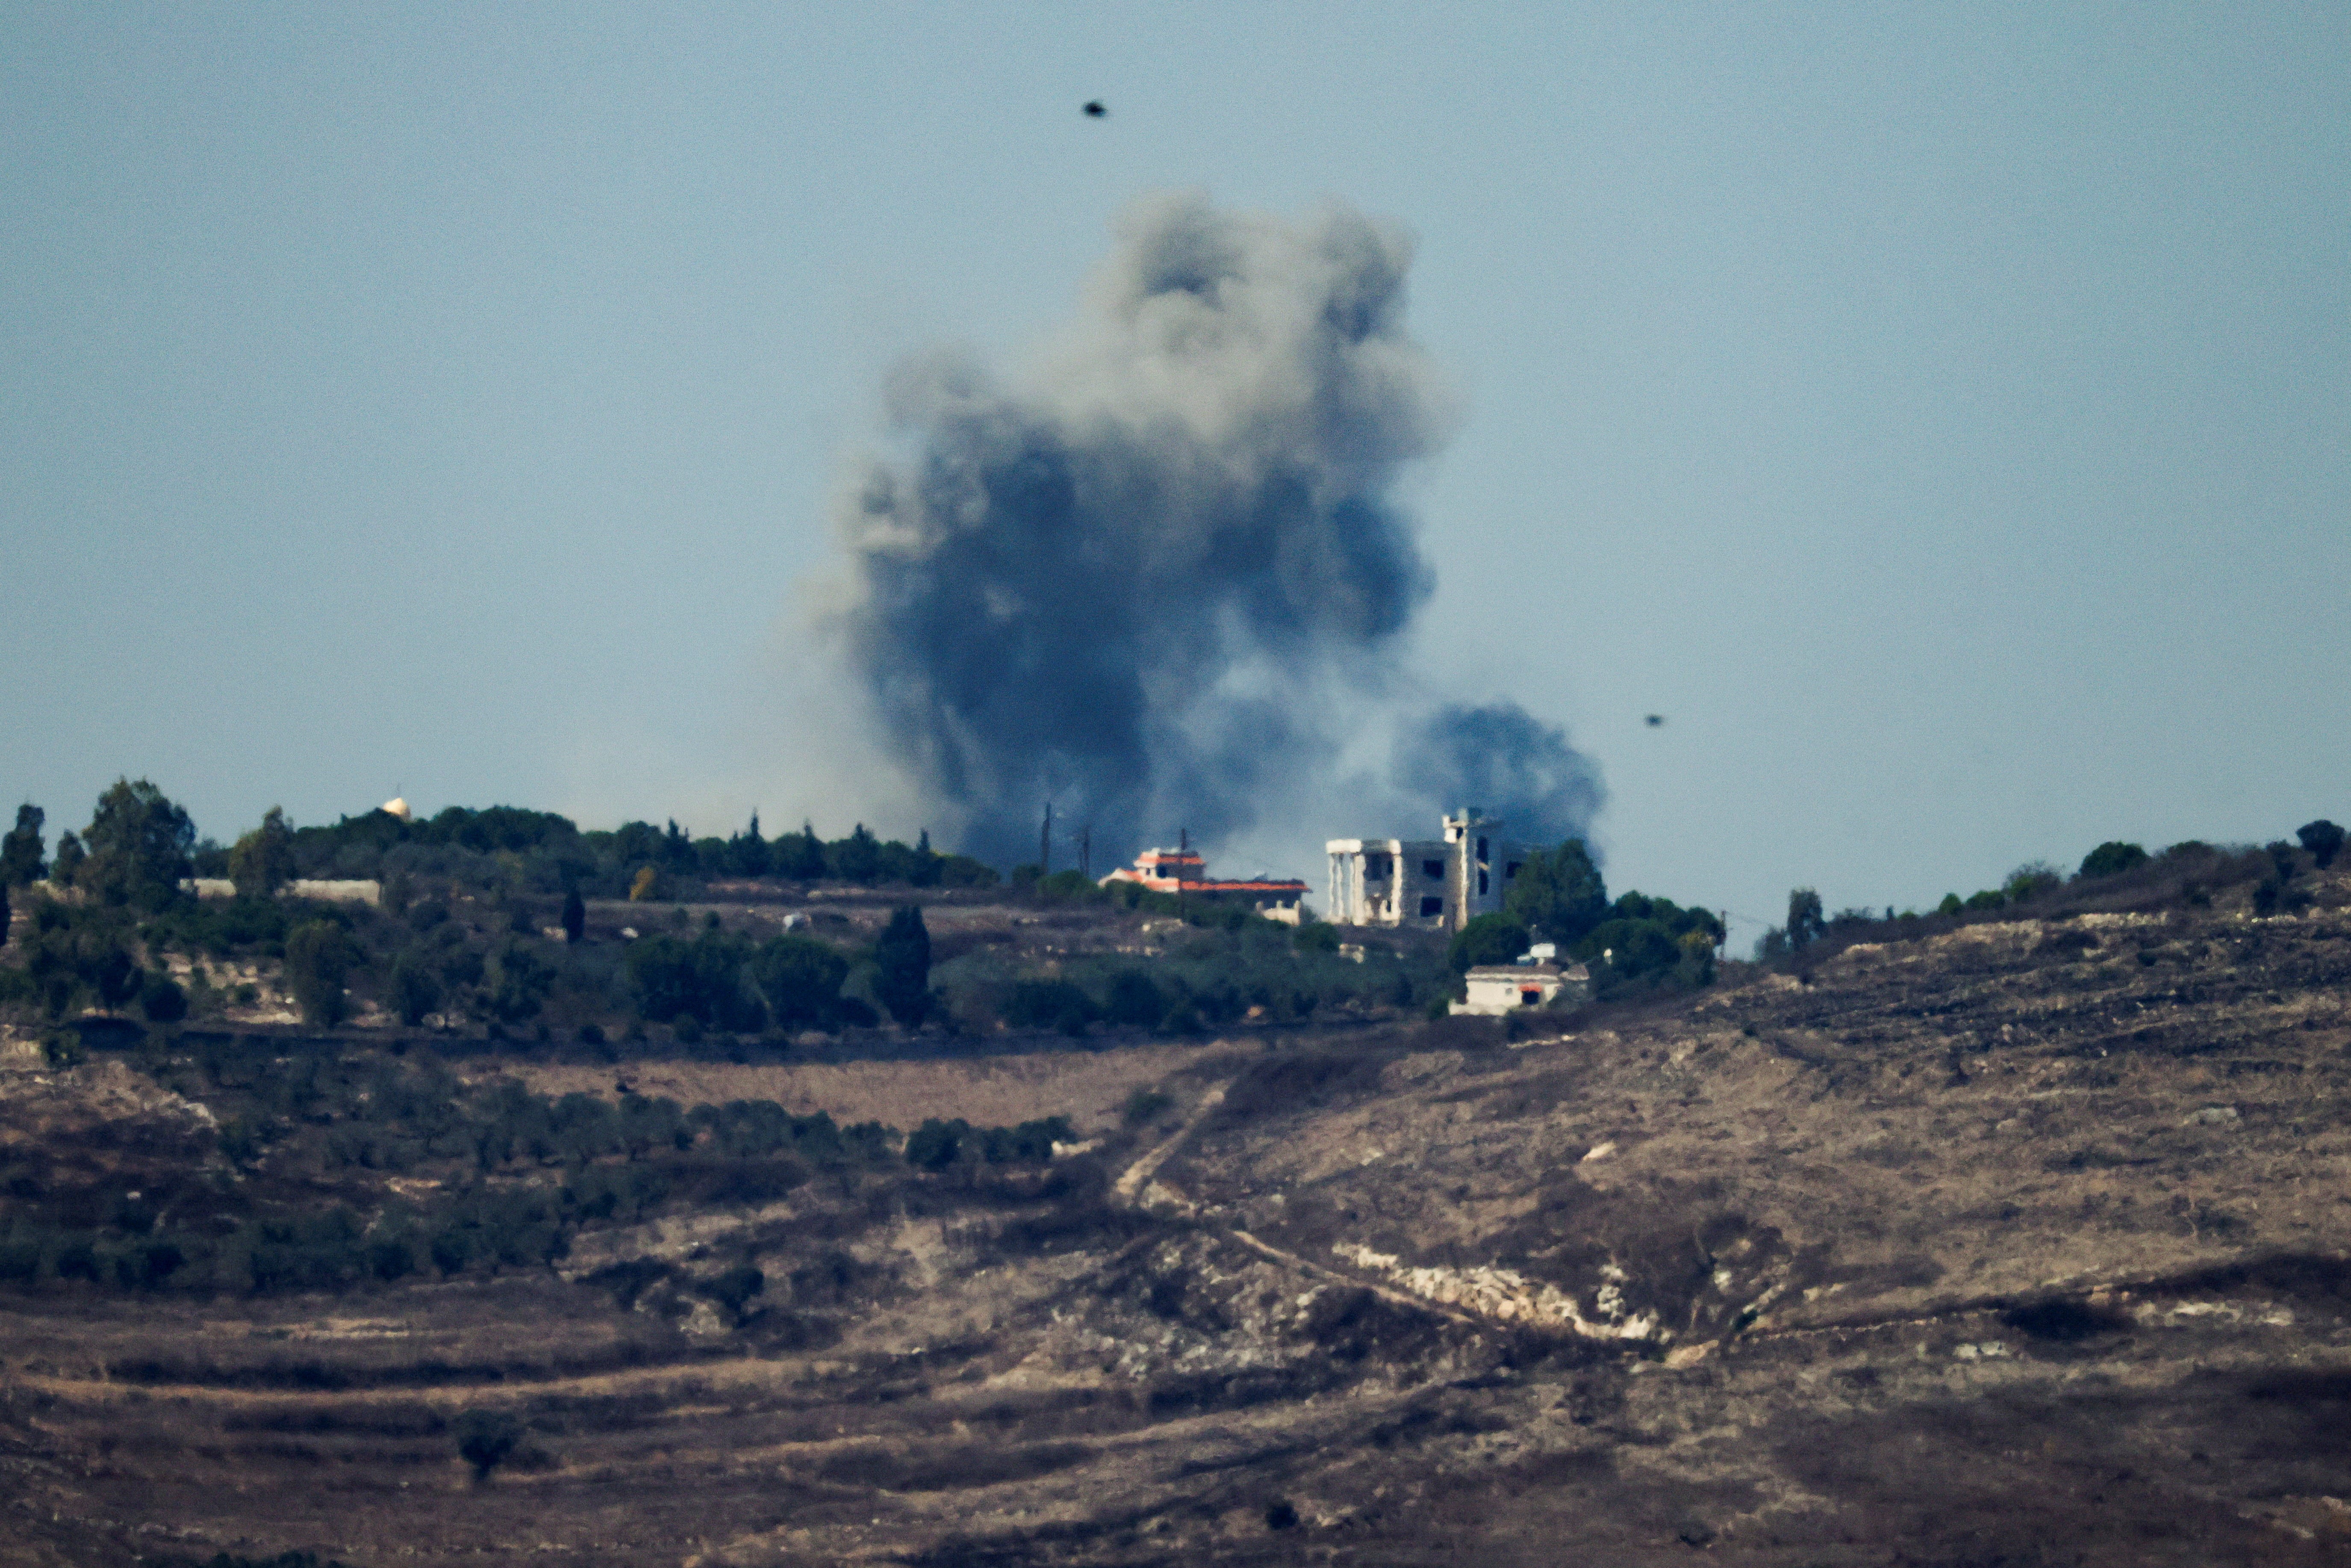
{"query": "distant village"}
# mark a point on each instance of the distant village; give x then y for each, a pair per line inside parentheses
(1437, 884)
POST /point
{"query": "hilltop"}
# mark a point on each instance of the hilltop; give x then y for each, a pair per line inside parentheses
(2019, 1235)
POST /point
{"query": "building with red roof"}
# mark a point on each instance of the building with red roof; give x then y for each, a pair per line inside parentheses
(1184, 872)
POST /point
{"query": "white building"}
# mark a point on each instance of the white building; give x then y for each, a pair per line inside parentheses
(1440, 884)
(1539, 979)
(345, 891)
(1494, 989)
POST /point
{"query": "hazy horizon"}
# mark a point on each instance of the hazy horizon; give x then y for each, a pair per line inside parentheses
(1934, 414)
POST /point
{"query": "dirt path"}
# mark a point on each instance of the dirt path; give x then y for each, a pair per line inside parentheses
(1132, 1180)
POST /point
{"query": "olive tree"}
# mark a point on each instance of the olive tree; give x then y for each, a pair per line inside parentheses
(263, 860)
(317, 958)
(1806, 922)
(139, 845)
(485, 1438)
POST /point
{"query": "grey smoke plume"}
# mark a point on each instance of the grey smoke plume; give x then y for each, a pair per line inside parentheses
(1506, 762)
(1155, 581)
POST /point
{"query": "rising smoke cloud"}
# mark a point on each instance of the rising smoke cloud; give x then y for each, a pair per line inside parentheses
(1163, 579)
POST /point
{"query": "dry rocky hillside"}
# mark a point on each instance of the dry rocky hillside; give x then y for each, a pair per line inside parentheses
(2029, 1242)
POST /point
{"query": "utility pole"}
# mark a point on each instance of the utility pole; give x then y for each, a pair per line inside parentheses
(1045, 844)
(1183, 840)
(1086, 850)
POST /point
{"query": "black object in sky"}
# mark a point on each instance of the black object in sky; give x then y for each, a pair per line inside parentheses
(1094, 109)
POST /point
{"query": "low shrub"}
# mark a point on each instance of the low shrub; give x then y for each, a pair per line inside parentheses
(486, 1439)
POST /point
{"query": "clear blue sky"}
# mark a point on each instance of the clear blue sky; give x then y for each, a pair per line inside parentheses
(1936, 412)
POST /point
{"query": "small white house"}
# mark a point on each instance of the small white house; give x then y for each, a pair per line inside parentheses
(1495, 989)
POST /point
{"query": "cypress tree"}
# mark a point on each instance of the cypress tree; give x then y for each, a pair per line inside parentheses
(903, 956)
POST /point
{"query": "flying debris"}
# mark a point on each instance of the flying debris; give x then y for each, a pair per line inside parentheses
(1655, 721)
(1094, 109)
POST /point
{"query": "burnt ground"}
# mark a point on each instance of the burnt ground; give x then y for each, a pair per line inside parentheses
(2028, 1243)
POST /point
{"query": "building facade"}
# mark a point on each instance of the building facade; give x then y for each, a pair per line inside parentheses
(1438, 884)
(1182, 872)
(1495, 989)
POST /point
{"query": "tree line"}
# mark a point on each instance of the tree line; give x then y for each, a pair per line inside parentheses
(2192, 868)
(1633, 940)
(139, 846)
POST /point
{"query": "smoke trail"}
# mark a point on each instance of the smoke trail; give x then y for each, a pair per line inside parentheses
(1155, 581)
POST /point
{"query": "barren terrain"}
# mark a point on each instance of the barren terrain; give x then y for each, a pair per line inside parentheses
(998, 1089)
(2027, 1243)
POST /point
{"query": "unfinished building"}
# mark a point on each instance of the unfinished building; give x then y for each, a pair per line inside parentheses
(1441, 883)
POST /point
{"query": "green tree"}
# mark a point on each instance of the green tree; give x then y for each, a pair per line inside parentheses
(263, 860)
(1631, 948)
(798, 856)
(139, 845)
(415, 989)
(317, 959)
(485, 1438)
(1695, 969)
(747, 852)
(162, 999)
(2031, 880)
(66, 869)
(701, 979)
(857, 858)
(800, 978)
(20, 848)
(2112, 858)
(2323, 839)
(1559, 893)
(1495, 938)
(1135, 1000)
(936, 1144)
(71, 953)
(902, 954)
(677, 852)
(1049, 1004)
(1806, 922)
(519, 981)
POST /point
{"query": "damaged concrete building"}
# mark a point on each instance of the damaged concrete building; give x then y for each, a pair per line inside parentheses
(1440, 884)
